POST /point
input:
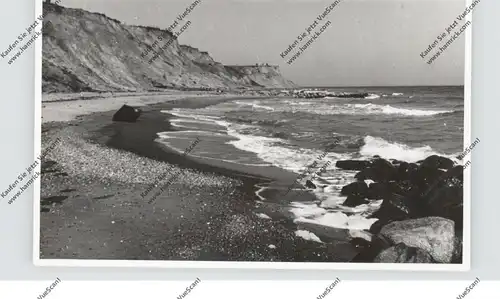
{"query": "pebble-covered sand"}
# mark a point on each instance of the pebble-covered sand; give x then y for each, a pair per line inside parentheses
(91, 207)
(81, 158)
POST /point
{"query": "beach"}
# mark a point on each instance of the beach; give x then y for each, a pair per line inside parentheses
(226, 177)
(92, 208)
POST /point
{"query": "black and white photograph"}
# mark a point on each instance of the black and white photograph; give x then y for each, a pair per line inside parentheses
(244, 133)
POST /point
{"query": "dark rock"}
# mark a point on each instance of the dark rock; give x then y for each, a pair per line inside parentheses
(352, 164)
(127, 114)
(371, 250)
(360, 243)
(436, 161)
(310, 185)
(355, 188)
(445, 198)
(457, 253)
(403, 254)
(382, 170)
(394, 207)
(447, 202)
(376, 227)
(397, 162)
(402, 171)
(384, 190)
(426, 177)
(354, 201)
(434, 235)
(456, 173)
(364, 174)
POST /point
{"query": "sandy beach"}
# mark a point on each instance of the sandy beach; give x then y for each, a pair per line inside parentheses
(91, 207)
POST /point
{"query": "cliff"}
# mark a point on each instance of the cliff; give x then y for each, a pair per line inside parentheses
(84, 51)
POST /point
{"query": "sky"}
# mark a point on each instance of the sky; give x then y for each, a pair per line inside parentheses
(368, 43)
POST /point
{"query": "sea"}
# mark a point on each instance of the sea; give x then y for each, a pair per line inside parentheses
(307, 136)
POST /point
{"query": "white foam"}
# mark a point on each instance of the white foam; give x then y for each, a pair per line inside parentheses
(263, 216)
(339, 220)
(332, 201)
(181, 113)
(188, 134)
(308, 236)
(388, 109)
(306, 210)
(271, 150)
(312, 213)
(361, 234)
(387, 150)
(184, 123)
(397, 93)
(355, 109)
(271, 246)
(255, 104)
(372, 97)
(369, 182)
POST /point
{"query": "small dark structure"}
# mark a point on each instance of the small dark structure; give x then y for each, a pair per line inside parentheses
(127, 113)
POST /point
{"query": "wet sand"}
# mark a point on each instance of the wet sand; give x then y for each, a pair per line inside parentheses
(91, 207)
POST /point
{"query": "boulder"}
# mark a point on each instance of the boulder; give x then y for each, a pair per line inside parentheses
(385, 189)
(394, 207)
(310, 185)
(382, 170)
(447, 202)
(403, 254)
(354, 201)
(434, 235)
(396, 162)
(127, 114)
(445, 198)
(456, 174)
(355, 188)
(371, 249)
(436, 161)
(458, 252)
(363, 175)
(352, 164)
(375, 227)
(406, 171)
(426, 177)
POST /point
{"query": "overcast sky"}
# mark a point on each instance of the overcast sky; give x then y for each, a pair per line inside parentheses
(369, 43)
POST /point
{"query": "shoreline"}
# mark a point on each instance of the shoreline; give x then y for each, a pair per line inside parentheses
(90, 197)
(125, 158)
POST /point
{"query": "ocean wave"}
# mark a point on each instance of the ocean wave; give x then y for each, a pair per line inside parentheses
(388, 109)
(311, 213)
(264, 122)
(358, 109)
(387, 150)
(254, 104)
(344, 141)
(372, 96)
(188, 134)
(397, 93)
(180, 113)
(278, 152)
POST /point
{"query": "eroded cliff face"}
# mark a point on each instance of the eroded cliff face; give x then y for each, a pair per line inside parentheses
(84, 51)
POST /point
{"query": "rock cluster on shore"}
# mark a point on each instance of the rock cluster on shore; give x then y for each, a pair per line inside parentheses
(421, 217)
(306, 93)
